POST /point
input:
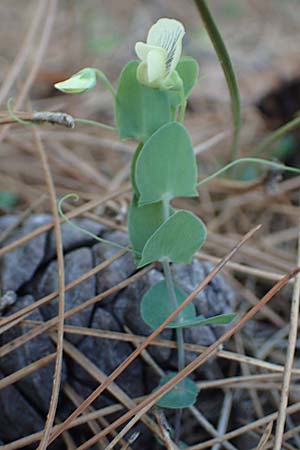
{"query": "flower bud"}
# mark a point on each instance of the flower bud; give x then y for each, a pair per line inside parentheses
(82, 81)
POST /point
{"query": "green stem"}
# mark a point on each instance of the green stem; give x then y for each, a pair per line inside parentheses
(174, 113)
(173, 300)
(278, 134)
(179, 331)
(105, 80)
(227, 67)
(248, 160)
(63, 216)
(96, 124)
(182, 107)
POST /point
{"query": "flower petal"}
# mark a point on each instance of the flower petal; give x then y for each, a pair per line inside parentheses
(142, 50)
(142, 73)
(168, 34)
(156, 65)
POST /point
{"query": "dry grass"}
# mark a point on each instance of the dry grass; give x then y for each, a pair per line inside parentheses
(93, 164)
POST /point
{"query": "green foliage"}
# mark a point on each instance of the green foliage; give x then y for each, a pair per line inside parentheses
(139, 110)
(176, 240)
(184, 394)
(132, 169)
(7, 200)
(163, 168)
(143, 221)
(166, 166)
(222, 319)
(188, 70)
(264, 162)
(156, 307)
(226, 64)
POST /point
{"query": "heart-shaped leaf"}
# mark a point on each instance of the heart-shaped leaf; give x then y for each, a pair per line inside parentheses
(143, 221)
(222, 319)
(139, 110)
(166, 166)
(156, 306)
(184, 394)
(188, 70)
(132, 169)
(176, 240)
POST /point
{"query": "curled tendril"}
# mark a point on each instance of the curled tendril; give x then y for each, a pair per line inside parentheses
(83, 230)
(248, 160)
(10, 105)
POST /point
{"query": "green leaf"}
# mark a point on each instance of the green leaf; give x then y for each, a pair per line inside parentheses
(221, 319)
(177, 239)
(7, 199)
(139, 110)
(166, 166)
(184, 394)
(143, 221)
(156, 306)
(188, 70)
(132, 169)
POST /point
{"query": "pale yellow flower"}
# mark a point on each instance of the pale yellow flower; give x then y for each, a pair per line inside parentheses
(160, 55)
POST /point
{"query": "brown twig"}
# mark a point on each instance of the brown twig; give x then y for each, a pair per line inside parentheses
(10, 346)
(22, 55)
(137, 352)
(61, 288)
(44, 40)
(151, 399)
(294, 315)
(74, 213)
(39, 117)
(22, 313)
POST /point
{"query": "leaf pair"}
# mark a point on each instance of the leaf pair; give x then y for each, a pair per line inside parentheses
(162, 169)
(140, 110)
(156, 308)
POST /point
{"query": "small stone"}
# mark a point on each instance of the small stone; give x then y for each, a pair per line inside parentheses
(19, 265)
(38, 385)
(216, 298)
(113, 314)
(119, 270)
(73, 237)
(18, 417)
(84, 390)
(77, 263)
(108, 354)
(7, 300)
(7, 221)
(127, 309)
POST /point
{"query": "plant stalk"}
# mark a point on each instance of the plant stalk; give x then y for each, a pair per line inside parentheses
(182, 107)
(105, 81)
(173, 301)
(179, 331)
(96, 124)
(226, 64)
